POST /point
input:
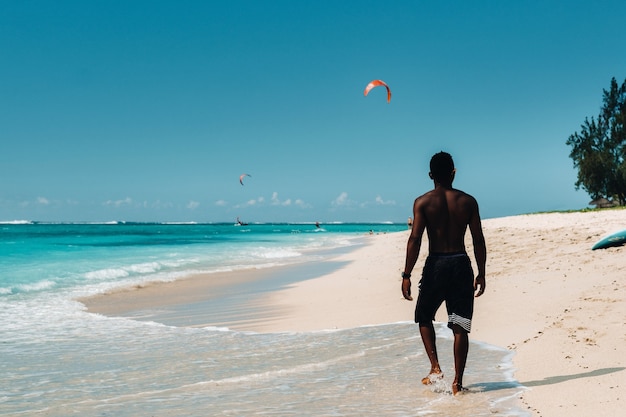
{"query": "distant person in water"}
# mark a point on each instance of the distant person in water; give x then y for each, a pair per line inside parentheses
(445, 213)
(409, 222)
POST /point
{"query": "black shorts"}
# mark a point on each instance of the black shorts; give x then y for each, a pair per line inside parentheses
(447, 277)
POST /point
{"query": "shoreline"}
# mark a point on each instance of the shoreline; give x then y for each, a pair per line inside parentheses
(219, 299)
(551, 300)
(192, 300)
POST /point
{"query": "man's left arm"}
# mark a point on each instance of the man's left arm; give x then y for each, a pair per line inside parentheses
(480, 250)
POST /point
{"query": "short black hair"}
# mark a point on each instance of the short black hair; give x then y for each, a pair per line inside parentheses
(441, 166)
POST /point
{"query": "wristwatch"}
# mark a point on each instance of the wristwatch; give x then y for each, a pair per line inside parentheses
(405, 275)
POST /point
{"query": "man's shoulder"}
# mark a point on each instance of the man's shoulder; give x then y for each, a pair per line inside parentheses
(440, 192)
(461, 193)
(436, 194)
(425, 197)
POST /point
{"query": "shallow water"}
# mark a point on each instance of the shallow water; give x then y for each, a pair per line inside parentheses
(94, 365)
(59, 360)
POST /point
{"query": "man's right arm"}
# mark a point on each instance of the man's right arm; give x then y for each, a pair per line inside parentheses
(413, 247)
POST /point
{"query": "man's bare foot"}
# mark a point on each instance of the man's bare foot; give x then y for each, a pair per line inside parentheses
(432, 378)
(458, 388)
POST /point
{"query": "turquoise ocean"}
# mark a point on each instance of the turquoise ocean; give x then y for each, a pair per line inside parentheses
(57, 359)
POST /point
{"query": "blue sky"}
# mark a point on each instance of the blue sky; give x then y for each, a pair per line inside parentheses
(150, 110)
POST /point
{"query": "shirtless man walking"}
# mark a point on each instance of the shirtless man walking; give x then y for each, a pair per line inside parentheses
(445, 213)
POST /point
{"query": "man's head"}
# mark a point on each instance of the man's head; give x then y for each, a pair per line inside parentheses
(442, 168)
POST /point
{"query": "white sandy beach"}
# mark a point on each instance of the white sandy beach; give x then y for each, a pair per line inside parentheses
(550, 298)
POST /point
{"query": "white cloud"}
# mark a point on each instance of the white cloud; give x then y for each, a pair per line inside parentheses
(250, 203)
(381, 202)
(276, 201)
(192, 205)
(302, 204)
(118, 203)
(156, 204)
(342, 200)
(221, 203)
(42, 201)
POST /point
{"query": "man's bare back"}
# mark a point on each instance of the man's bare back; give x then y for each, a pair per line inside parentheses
(446, 213)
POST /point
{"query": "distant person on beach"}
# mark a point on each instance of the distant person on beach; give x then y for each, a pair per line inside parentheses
(409, 222)
(445, 213)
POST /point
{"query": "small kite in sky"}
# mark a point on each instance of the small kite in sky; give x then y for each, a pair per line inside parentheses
(378, 83)
(242, 176)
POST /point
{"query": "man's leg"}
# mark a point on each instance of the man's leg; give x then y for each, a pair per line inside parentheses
(427, 331)
(461, 347)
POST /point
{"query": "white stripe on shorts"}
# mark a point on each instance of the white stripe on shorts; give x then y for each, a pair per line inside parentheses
(461, 321)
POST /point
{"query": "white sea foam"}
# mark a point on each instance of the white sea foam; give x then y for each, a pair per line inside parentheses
(279, 254)
(36, 286)
(108, 273)
(144, 268)
(123, 272)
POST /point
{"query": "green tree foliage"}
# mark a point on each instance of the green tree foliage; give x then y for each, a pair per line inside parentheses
(599, 149)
